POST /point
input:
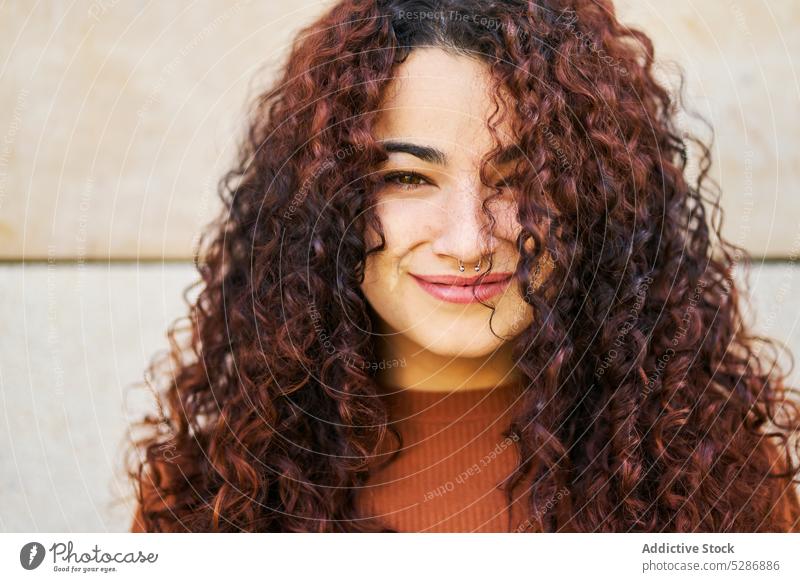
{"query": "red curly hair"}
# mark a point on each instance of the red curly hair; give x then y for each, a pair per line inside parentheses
(646, 399)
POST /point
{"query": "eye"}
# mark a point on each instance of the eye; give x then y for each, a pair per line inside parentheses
(406, 180)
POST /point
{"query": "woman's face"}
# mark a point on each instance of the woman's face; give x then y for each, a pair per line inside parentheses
(433, 124)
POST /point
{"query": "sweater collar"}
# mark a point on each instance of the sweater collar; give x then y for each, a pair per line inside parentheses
(447, 406)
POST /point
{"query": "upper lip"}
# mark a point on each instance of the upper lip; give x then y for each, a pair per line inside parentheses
(464, 281)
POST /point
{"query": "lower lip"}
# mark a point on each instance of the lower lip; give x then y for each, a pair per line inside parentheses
(464, 293)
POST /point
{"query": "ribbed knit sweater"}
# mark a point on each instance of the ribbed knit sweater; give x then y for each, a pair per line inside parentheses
(453, 459)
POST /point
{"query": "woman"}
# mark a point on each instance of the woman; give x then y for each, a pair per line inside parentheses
(462, 283)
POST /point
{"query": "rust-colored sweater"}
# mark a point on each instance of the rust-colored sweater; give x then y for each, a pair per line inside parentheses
(453, 459)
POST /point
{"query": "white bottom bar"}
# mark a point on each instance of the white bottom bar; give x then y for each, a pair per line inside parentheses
(416, 557)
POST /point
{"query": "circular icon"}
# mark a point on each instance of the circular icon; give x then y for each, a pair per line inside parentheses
(31, 555)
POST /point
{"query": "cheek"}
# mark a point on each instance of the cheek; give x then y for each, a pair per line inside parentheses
(405, 227)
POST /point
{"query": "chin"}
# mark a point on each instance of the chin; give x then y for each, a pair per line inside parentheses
(478, 343)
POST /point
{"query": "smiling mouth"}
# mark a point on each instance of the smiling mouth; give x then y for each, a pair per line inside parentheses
(452, 289)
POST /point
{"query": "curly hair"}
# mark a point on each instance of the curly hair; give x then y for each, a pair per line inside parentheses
(645, 396)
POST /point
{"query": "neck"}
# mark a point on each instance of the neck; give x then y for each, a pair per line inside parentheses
(421, 369)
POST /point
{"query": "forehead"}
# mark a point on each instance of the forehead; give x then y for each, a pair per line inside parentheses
(442, 99)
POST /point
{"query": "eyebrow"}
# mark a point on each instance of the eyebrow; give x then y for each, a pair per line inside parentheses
(436, 156)
(424, 153)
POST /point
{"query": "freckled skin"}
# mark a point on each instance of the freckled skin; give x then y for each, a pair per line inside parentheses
(442, 100)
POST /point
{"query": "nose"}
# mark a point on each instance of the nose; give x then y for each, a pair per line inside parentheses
(462, 231)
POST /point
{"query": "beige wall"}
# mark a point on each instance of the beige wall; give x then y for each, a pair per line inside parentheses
(121, 116)
(75, 341)
(116, 121)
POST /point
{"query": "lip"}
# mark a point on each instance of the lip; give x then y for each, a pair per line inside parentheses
(453, 289)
